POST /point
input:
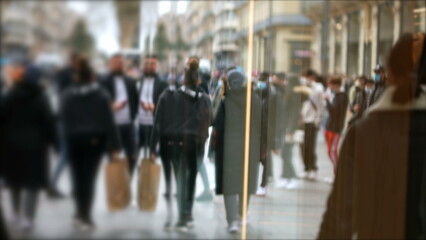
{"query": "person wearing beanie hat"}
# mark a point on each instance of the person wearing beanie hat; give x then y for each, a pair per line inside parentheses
(228, 134)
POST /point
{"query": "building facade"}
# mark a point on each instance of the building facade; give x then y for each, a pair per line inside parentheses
(225, 27)
(360, 33)
(33, 27)
(282, 36)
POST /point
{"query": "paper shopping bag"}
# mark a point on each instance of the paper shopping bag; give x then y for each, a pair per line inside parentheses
(117, 184)
(148, 183)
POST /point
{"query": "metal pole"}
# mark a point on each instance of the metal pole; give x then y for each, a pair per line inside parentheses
(248, 120)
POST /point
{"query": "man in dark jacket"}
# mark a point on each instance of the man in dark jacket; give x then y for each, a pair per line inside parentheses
(122, 90)
(379, 85)
(336, 120)
(150, 87)
(268, 97)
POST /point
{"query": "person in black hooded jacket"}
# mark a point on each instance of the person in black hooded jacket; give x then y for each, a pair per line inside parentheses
(181, 124)
(90, 131)
(27, 129)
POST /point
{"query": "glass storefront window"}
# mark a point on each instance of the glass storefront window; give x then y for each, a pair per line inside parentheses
(385, 31)
(354, 30)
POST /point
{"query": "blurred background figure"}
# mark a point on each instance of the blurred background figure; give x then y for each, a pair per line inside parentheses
(268, 97)
(186, 132)
(27, 130)
(228, 127)
(336, 120)
(90, 131)
(384, 154)
(150, 88)
(124, 101)
(311, 117)
(379, 84)
(292, 102)
(64, 78)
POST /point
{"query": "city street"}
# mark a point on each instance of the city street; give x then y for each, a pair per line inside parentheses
(283, 214)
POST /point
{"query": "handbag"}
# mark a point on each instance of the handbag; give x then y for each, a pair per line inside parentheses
(117, 184)
(297, 137)
(148, 183)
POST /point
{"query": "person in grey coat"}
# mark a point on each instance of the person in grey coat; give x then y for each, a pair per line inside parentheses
(229, 133)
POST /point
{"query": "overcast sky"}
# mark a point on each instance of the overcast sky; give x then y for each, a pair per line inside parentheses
(103, 23)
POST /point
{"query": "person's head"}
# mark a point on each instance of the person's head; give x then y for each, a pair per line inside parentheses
(84, 72)
(379, 74)
(310, 75)
(369, 84)
(406, 67)
(192, 72)
(264, 77)
(116, 64)
(16, 71)
(335, 83)
(236, 79)
(362, 80)
(279, 77)
(72, 59)
(150, 65)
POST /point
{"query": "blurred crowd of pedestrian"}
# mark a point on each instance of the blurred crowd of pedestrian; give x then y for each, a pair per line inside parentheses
(380, 171)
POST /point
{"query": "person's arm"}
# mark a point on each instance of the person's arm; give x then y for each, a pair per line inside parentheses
(113, 139)
(158, 119)
(49, 125)
(337, 219)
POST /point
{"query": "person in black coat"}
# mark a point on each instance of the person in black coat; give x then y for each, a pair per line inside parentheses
(90, 131)
(181, 122)
(27, 130)
(122, 90)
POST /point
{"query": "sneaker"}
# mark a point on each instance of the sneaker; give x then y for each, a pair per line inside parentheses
(206, 196)
(234, 227)
(312, 175)
(83, 226)
(15, 220)
(305, 175)
(26, 225)
(261, 191)
(282, 183)
(168, 226)
(292, 184)
(190, 222)
(329, 180)
(181, 227)
(54, 193)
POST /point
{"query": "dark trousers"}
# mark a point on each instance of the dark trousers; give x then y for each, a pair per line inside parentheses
(184, 154)
(145, 132)
(288, 171)
(267, 167)
(308, 147)
(166, 154)
(85, 152)
(30, 201)
(3, 231)
(128, 140)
